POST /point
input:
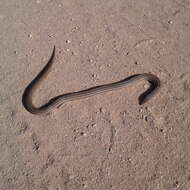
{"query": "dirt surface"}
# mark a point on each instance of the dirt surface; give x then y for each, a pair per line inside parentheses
(106, 142)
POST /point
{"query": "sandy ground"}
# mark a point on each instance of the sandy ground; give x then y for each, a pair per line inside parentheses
(106, 142)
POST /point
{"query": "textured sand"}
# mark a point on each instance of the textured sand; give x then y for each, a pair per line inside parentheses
(106, 142)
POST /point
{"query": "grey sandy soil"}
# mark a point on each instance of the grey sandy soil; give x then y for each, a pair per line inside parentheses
(106, 142)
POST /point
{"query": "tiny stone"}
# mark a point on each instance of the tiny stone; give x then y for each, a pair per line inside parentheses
(94, 125)
(68, 41)
(161, 130)
(84, 185)
(74, 130)
(176, 183)
(136, 63)
(15, 52)
(50, 35)
(30, 35)
(97, 112)
(83, 134)
(170, 22)
(94, 75)
(110, 121)
(67, 49)
(81, 42)
(75, 28)
(90, 60)
(102, 110)
(126, 53)
(146, 118)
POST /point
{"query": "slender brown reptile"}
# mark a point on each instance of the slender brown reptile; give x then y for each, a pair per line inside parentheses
(30, 89)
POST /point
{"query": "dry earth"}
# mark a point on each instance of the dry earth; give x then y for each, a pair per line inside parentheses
(106, 142)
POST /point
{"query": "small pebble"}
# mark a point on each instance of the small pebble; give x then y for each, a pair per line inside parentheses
(94, 125)
(84, 185)
(90, 60)
(102, 110)
(83, 134)
(95, 76)
(110, 121)
(68, 41)
(136, 63)
(50, 35)
(80, 43)
(126, 53)
(75, 28)
(161, 130)
(30, 35)
(170, 22)
(15, 52)
(146, 118)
